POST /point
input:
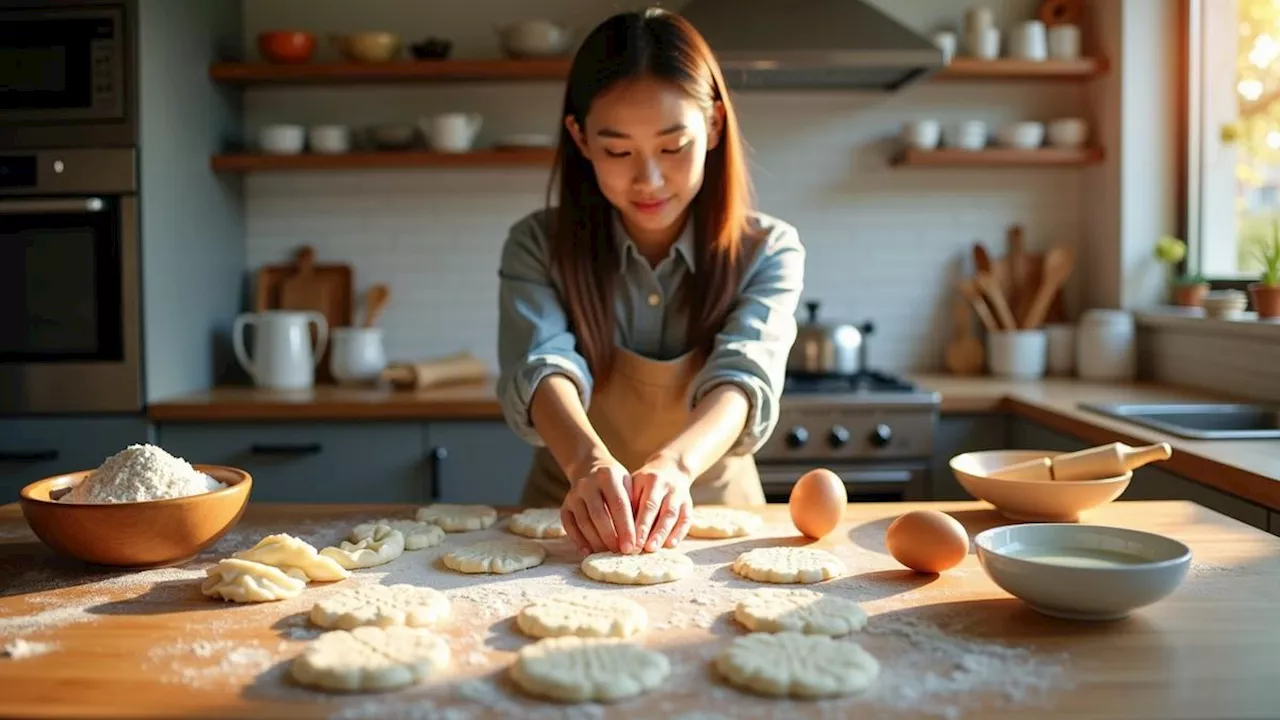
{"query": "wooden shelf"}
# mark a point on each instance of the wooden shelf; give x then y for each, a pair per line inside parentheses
(999, 157)
(962, 68)
(395, 71)
(256, 162)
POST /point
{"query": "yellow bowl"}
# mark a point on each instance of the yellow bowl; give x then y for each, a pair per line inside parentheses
(135, 534)
(1032, 500)
(368, 47)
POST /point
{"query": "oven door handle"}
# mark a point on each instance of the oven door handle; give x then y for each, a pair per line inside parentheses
(58, 206)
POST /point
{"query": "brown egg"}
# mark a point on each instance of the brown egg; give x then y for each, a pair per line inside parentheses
(927, 541)
(817, 502)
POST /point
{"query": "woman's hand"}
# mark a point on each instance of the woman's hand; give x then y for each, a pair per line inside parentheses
(596, 513)
(660, 494)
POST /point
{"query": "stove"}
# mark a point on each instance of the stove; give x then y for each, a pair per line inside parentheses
(873, 429)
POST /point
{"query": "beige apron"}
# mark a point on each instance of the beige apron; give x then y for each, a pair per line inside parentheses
(641, 409)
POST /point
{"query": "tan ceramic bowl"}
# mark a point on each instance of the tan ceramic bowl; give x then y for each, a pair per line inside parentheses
(1032, 500)
(135, 534)
(368, 47)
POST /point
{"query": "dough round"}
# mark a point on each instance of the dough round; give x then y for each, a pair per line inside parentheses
(417, 534)
(386, 544)
(788, 565)
(578, 669)
(798, 665)
(803, 611)
(644, 569)
(584, 614)
(720, 522)
(290, 553)
(381, 605)
(246, 581)
(537, 523)
(370, 658)
(495, 556)
(458, 518)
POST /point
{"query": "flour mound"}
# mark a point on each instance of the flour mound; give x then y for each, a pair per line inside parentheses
(139, 473)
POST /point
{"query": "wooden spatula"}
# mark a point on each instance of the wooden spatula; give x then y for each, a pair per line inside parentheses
(374, 303)
(969, 289)
(1017, 285)
(991, 288)
(964, 353)
(303, 290)
(1058, 264)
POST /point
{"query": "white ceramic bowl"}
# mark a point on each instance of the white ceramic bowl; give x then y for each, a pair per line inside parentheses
(1082, 572)
(922, 134)
(282, 139)
(1068, 132)
(1023, 135)
(1032, 500)
(965, 135)
(329, 139)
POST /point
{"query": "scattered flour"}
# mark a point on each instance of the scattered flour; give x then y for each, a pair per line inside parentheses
(139, 473)
(20, 649)
(45, 620)
(188, 662)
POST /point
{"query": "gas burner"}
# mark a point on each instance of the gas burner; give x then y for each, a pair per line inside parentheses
(866, 381)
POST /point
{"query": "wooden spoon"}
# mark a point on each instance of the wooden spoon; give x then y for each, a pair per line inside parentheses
(375, 303)
(1058, 264)
(991, 289)
(969, 289)
(964, 354)
(1017, 268)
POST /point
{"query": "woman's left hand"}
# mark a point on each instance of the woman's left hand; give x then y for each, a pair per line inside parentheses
(664, 509)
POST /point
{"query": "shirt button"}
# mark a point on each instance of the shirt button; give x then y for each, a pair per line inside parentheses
(654, 300)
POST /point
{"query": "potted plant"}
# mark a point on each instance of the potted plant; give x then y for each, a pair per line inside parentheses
(1266, 292)
(1188, 290)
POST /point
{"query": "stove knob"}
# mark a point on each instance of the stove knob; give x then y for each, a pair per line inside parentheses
(881, 436)
(797, 437)
(838, 437)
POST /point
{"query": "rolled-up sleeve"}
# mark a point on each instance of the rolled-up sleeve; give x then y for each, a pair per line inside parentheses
(534, 341)
(751, 350)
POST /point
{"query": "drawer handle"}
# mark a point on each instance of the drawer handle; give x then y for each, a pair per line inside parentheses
(438, 455)
(30, 456)
(286, 449)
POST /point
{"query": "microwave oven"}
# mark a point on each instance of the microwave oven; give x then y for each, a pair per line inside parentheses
(66, 73)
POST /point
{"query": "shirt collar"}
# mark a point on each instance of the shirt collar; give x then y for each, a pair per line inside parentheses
(627, 248)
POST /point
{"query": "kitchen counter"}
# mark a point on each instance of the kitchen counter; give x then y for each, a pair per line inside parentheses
(148, 644)
(1249, 469)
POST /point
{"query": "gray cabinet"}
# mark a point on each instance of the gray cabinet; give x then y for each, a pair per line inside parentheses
(1275, 523)
(1026, 435)
(958, 434)
(368, 462)
(477, 462)
(35, 448)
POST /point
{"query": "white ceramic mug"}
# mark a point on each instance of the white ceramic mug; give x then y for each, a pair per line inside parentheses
(1068, 132)
(965, 135)
(1028, 42)
(452, 132)
(1062, 349)
(358, 355)
(283, 358)
(922, 134)
(984, 43)
(329, 139)
(1064, 42)
(946, 42)
(282, 139)
(1026, 135)
(1018, 354)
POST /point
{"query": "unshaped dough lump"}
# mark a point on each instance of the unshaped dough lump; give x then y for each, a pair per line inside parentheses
(417, 534)
(804, 611)
(575, 669)
(247, 581)
(385, 545)
(288, 552)
(458, 518)
(370, 658)
(644, 569)
(798, 665)
(584, 614)
(788, 565)
(495, 556)
(537, 523)
(721, 522)
(381, 605)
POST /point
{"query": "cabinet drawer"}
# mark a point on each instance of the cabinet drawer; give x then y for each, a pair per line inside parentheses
(478, 462)
(312, 462)
(36, 448)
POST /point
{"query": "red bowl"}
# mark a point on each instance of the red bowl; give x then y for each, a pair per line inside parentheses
(286, 47)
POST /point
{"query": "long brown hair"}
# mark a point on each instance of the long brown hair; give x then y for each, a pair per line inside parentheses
(658, 44)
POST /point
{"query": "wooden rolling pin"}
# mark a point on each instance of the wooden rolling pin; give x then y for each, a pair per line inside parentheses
(461, 367)
(1095, 463)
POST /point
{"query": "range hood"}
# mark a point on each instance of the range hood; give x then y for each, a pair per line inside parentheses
(812, 44)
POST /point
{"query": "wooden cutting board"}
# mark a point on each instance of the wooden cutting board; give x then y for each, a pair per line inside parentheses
(305, 285)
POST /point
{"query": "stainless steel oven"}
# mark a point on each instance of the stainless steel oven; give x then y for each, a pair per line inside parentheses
(69, 282)
(64, 73)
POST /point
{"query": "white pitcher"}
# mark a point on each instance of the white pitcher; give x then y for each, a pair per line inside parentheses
(283, 358)
(451, 132)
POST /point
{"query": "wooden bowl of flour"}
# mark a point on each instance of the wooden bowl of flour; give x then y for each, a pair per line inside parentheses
(150, 533)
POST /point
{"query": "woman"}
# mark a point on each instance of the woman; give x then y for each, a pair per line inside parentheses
(647, 318)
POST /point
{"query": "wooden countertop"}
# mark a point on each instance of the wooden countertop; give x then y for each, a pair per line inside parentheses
(1247, 468)
(148, 644)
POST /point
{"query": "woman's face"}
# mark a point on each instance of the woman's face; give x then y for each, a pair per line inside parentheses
(648, 141)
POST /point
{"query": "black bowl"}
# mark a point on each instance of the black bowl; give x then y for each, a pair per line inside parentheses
(431, 49)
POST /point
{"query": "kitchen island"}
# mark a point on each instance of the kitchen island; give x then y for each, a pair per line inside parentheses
(114, 644)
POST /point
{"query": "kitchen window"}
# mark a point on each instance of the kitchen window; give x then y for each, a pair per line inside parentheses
(1233, 135)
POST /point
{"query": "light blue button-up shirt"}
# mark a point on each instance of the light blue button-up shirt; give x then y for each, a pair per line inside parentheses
(534, 339)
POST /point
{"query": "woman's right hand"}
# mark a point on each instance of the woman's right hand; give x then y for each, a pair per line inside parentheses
(596, 513)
